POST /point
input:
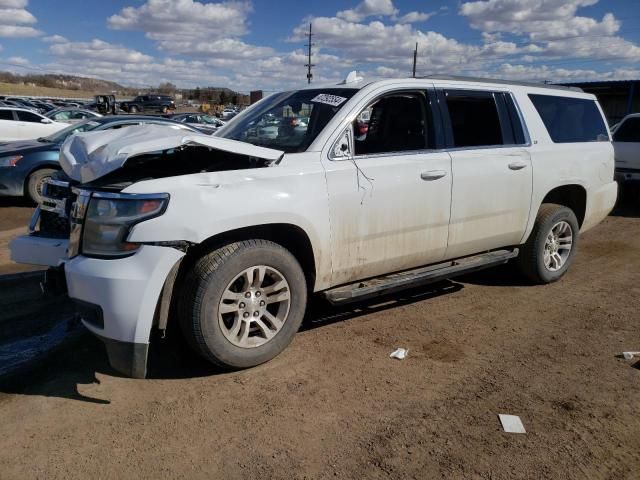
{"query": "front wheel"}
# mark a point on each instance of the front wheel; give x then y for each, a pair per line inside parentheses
(35, 183)
(133, 109)
(242, 304)
(551, 246)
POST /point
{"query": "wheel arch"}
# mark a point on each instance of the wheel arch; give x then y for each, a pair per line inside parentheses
(290, 236)
(572, 196)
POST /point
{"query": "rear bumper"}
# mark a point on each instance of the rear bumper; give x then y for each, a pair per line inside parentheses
(627, 175)
(126, 291)
(600, 202)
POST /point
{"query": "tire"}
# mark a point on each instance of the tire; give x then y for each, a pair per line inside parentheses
(133, 109)
(543, 258)
(225, 330)
(35, 181)
(164, 110)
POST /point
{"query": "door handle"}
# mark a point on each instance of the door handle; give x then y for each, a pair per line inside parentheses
(517, 165)
(433, 174)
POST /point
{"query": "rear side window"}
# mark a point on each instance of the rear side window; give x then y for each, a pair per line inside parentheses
(6, 115)
(570, 120)
(474, 119)
(28, 116)
(629, 131)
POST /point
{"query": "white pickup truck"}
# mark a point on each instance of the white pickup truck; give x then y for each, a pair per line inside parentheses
(229, 234)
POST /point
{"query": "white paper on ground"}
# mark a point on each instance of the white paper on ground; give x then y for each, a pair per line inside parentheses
(399, 353)
(511, 423)
(629, 355)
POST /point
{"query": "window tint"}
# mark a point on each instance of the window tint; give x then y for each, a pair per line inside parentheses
(629, 131)
(28, 116)
(514, 118)
(394, 123)
(571, 119)
(6, 115)
(474, 119)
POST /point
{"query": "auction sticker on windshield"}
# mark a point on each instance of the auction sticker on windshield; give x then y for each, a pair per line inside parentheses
(333, 100)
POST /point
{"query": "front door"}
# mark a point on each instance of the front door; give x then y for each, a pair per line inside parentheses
(390, 194)
(626, 144)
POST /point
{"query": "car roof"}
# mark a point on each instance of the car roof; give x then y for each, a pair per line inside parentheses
(22, 109)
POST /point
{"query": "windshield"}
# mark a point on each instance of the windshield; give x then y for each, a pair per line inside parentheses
(61, 135)
(289, 121)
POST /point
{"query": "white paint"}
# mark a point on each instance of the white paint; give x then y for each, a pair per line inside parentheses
(357, 227)
(11, 130)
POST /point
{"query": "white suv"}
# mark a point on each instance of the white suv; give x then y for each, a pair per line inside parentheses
(230, 234)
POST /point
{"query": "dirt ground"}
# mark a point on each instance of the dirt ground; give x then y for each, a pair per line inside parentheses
(14, 218)
(334, 405)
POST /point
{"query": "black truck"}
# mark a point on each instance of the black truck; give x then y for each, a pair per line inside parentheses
(149, 103)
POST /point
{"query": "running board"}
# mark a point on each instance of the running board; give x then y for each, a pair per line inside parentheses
(421, 276)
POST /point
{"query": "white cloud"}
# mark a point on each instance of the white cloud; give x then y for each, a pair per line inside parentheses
(55, 39)
(368, 8)
(183, 25)
(415, 17)
(18, 61)
(554, 25)
(16, 20)
(99, 51)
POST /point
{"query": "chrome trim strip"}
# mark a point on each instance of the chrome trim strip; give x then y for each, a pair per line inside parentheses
(78, 214)
(131, 196)
(59, 207)
(58, 183)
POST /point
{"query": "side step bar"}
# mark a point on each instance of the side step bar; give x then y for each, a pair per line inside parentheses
(421, 276)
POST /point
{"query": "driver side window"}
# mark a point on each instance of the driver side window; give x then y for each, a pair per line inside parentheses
(396, 122)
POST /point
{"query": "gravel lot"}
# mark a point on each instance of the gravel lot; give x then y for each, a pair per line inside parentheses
(333, 405)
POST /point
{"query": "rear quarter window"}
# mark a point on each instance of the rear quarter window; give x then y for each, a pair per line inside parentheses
(570, 120)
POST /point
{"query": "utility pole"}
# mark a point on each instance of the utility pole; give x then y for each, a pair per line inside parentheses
(309, 64)
(415, 58)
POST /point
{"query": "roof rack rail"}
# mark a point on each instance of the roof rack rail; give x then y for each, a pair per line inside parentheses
(462, 78)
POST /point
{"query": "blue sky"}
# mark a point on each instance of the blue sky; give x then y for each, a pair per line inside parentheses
(255, 44)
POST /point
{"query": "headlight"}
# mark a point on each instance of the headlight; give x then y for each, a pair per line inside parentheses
(110, 217)
(10, 161)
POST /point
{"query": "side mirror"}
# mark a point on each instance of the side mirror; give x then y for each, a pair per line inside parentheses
(46, 120)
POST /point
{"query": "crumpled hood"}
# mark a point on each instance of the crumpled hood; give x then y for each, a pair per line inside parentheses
(88, 156)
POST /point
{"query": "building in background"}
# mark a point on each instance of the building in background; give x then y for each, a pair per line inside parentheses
(255, 96)
(618, 98)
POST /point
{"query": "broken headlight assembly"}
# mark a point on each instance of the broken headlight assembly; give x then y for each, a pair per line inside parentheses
(109, 219)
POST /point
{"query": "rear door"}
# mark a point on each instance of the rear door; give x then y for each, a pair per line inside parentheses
(30, 125)
(491, 169)
(626, 143)
(8, 126)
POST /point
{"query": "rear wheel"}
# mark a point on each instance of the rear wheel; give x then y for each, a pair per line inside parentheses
(36, 182)
(164, 109)
(243, 303)
(552, 244)
(133, 109)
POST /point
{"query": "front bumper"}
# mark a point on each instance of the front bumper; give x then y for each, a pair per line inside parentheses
(12, 181)
(126, 291)
(36, 250)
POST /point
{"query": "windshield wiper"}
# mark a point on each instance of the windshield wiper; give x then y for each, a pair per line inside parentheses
(44, 140)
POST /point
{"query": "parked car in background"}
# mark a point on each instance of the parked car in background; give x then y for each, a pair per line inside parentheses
(228, 113)
(24, 124)
(71, 115)
(453, 175)
(149, 103)
(626, 144)
(26, 165)
(205, 123)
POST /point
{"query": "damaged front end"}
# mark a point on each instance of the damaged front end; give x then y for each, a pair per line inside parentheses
(83, 225)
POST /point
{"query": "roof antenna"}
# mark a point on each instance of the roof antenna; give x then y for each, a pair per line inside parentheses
(352, 77)
(415, 57)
